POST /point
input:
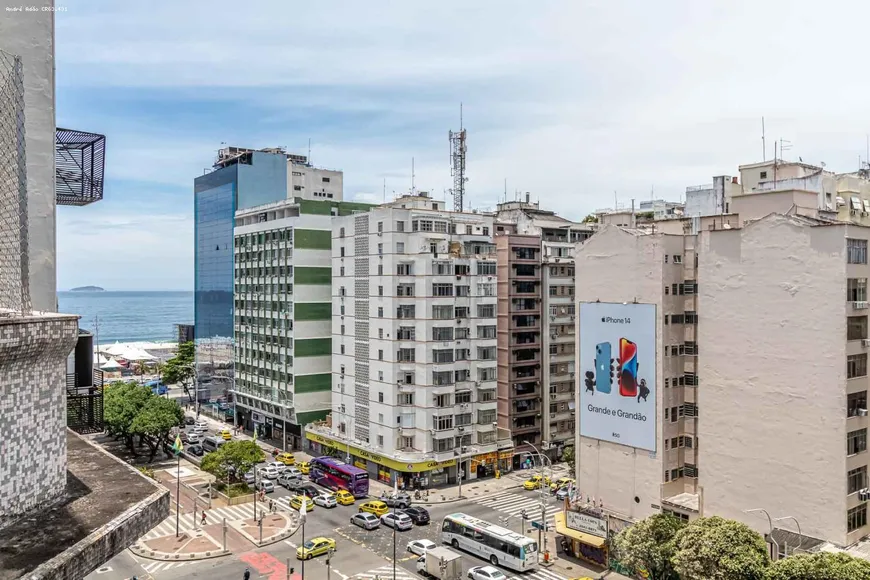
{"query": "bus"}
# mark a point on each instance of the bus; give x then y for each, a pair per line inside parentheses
(500, 546)
(334, 474)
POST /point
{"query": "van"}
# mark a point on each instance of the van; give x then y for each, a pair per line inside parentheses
(212, 443)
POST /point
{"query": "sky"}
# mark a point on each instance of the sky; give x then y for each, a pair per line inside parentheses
(579, 103)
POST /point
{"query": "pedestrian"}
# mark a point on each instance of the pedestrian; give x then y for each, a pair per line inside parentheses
(202, 523)
(247, 575)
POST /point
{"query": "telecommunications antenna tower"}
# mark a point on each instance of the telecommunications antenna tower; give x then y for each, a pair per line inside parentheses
(457, 164)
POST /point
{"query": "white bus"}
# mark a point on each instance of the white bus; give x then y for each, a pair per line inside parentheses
(498, 545)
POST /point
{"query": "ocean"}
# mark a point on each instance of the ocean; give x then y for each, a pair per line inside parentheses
(129, 316)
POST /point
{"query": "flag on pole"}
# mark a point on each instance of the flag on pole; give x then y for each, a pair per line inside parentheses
(177, 447)
(302, 509)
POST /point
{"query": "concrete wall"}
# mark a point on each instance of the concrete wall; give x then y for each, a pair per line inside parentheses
(772, 394)
(30, 35)
(758, 205)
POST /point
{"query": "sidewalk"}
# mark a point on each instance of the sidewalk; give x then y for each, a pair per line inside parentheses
(276, 527)
(189, 545)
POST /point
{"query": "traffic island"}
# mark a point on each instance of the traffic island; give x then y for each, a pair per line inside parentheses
(187, 546)
(269, 529)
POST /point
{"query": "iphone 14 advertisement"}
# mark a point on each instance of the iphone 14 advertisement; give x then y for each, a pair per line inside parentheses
(603, 368)
(627, 368)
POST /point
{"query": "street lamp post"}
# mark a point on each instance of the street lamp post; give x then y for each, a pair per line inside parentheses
(541, 456)
(800, 535)
(770, 526)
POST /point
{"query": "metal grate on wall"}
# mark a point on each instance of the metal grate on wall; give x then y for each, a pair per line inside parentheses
(80, 162)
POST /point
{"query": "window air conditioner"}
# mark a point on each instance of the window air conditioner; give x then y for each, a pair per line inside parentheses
(865, 342)
(860, 305)
(864, 494)
(862, 412)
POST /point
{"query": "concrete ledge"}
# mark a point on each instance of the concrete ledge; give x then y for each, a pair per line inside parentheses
(145, 552)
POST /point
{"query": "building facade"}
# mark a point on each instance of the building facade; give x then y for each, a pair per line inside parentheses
(414, 344)
(282, 315)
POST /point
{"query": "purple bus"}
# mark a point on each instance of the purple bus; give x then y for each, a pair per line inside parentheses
(336, 474)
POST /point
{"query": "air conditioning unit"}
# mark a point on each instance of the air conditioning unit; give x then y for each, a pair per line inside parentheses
(864, 494)
(861, 412)
(553, 397)
(865, 342)
(860, 305)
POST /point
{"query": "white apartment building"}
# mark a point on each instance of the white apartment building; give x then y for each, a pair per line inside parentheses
(309, 182)
(762, 346)
(414, 342)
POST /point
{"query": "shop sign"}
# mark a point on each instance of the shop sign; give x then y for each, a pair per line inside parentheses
(586, 523)
(505, 454)
(380, 459)
(256, 417)
(268, 420)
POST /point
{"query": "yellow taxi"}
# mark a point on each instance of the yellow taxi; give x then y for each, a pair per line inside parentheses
(296, 502)
(378, 508)
(303, 467)
(314, 547)
(225, 434)
(286, 458)
(561, 482)
(344, 497)
(535, 481)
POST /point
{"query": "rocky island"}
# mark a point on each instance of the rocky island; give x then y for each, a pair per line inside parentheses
(87, 289)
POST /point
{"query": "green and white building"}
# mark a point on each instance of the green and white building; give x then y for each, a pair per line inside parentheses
(282, 314)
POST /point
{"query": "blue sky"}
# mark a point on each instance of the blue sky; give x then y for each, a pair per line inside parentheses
(569, 100)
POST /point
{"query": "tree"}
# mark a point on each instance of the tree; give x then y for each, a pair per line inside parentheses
(650, 545)
(718, 549)
(181, 369)
(155, 421)
(233, 458)
(122, 402)
(568, 456)
(821, 566)
(590, 219)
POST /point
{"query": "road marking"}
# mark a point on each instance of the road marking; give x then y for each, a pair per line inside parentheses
(386, 572)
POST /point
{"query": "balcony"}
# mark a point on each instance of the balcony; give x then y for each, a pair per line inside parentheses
(522, 356)
(525, 408)
(80, 161)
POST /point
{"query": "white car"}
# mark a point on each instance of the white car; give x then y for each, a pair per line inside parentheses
(279, 467)
(486, 573)
(269, 472)
(398, 521)
(200, 429)
(250, 477)
(265, 485)
(326, 500)
(194, 437)
(291, 472)
(420, 547)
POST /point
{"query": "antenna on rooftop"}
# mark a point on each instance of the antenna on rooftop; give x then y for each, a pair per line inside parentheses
(763, 143)
(413, 189)
(457, 164)
(309, 151)
(385, 190)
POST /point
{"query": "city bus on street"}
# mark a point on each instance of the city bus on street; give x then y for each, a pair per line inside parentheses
(336, 474)
(499, 546)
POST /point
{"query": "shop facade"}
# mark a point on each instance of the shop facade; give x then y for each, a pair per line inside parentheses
(583, 534)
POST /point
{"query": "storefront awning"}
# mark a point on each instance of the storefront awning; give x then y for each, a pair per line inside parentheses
(564, 530)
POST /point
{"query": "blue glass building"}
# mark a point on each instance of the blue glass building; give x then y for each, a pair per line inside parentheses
(242, 178)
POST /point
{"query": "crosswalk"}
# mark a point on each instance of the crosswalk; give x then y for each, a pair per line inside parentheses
(154, 566)
(386, 572)
(513, 504)
(186, 521)
(539, 574)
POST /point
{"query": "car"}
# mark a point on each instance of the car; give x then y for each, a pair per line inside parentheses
(195, 449)
(278, 466)
(304, 468)
(314, 547)
(183, 436)
(188, 420)
(225, 434)
(268, 471)
(376, 507)
(366, 520)
(286, 458)
(292, 471)
(420, 547)
(265, 485)
(417, 514)
(485, 573)
(249, 477)
(535, 481)
(194, 437)
(289, 480)
(296, 502)
(400, 500)
(560, 483)
(326, 500)
(344, 497)
(199, 430)
(562, 493)
(397, 520)
(310, 490)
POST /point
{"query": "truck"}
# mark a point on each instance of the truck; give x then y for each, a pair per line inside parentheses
(440, 563)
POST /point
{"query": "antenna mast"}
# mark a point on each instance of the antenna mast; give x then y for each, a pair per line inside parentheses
(763, 142)
(457, 164)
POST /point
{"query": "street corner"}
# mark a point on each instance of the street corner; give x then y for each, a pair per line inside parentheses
(190, 545)
(266, 530)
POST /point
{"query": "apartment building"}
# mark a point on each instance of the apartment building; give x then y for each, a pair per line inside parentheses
(761, 371)
(536, 325)
(414, 344)
(282, 264)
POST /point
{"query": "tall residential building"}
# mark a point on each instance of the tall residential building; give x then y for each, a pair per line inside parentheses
(282, 315)
(536, 325)
(761, 374)
(414, 343)
(240, 179)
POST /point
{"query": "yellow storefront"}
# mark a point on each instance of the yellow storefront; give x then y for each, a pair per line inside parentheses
(583, 545)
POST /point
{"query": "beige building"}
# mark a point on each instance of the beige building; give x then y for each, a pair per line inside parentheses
(761, 365)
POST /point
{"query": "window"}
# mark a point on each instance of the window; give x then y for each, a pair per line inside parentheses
(856, 290)
(441, 268)
(442, 356)
(442, 289)
(380, 227)
(380, 269)
(486, 374)
(341, 271)
(408, 379)
(856, 402)
(341, 233)
(856, 517)
(380, 249)
(442, 333)
(487, 289)
(400, 247)
(486, 396)
(856, 479)
(406, 398)
(762, 175)
(400, 226)
(380, 397)
(442, 378)
(442, 423)
(405, 333)
(380, 290)
(442, 401)
(406, 269)
(463, 419)
(856, 365)
(856, 327)
(442, 312)
(486, 268)
(463, 397)
(462, 333)
(678, 259)
(440, 445)
(325, 179)
(341, 251)
(486, 331)
(406, 311)
(856, 441)
(297, 188)
(380, 311)
(425, 225)
(856, 251)
(380, 355)
(441, 227)
(485, 231)
(487, 353)
(406, 355)
(463, 354)
(380, 440)
(488, 311)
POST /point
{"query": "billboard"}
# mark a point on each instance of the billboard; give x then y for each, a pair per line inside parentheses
(617, 359)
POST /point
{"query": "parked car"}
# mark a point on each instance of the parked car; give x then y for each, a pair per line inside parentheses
(417, 514)
(326, 500)
(535, 482)
(188, 420)
(201, 423)
(286, 458)
(289, 480)
(375, 507)
(420, 547)
(560, 483)
(225, 434)
(279, 467)
(562, 493)
(400, 500)
(314, 547)
(344, 497)
(310, 490)
(296, 502)
(265, 485)
(397, 520)
(249, 477)
(292, 471)
(366, 520)
(486, 573)
(195, 449)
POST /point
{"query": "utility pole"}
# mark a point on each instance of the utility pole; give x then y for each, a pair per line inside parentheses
(329, 567)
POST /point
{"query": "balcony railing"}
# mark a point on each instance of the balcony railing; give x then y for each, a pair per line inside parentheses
(84, 404)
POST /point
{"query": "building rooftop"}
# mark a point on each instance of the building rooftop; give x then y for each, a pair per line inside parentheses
(686, 501)
(106, 506)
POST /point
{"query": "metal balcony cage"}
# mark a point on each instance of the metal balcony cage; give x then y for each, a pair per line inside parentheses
(80, 160)
(84, 404)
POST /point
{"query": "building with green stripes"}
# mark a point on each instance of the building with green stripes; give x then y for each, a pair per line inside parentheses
(282, 315)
